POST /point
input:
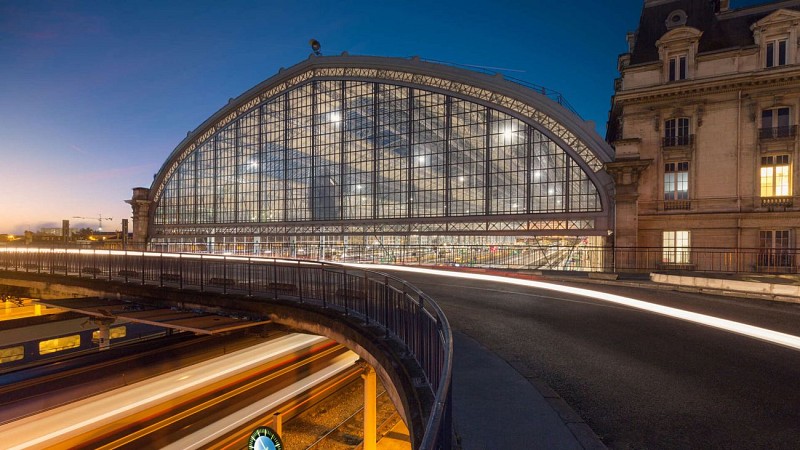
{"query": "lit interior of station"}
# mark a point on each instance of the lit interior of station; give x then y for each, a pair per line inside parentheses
(388, 160)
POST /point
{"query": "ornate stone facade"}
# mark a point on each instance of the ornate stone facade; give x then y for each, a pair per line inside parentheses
(707, 109)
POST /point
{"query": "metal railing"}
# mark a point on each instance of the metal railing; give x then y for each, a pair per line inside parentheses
(707, 259)
(719, 204)
(678, 141)
(401, 310)
(777, 132)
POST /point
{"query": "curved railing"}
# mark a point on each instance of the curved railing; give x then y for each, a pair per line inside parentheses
(404, 312)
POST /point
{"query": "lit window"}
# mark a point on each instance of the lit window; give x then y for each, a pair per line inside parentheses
(676, 181)
(774, 249)
(775, 172)
(776, 53)
(10, 354)
(677, 68)
(59, 344)
(113, 333)
(676, 132)
(675, 247)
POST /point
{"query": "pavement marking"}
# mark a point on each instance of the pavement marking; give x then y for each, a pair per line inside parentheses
(774, 337)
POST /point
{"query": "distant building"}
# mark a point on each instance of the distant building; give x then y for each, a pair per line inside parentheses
(704, 122)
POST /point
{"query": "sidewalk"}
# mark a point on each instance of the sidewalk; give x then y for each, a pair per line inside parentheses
(488, 393)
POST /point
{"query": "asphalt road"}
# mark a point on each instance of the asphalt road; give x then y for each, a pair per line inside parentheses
(641, 380)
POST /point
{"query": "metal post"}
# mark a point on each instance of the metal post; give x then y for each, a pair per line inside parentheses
(104, 332)
(250, 278)
(278, 417)
(370, 407)
(224, 274)
(201, 273)
(299, 281)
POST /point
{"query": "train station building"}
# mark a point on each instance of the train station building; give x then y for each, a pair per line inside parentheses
(353, 158)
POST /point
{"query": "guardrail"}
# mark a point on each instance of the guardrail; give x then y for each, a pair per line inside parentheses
(404, 312)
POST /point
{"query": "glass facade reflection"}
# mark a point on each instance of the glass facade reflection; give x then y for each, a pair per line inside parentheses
(330, 164)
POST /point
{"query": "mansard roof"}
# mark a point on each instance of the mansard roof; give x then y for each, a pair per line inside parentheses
(721, 30)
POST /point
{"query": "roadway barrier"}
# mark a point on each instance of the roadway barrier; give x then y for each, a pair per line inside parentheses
(401, 310)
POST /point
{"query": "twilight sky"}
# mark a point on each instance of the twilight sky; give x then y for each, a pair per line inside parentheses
(94, 95)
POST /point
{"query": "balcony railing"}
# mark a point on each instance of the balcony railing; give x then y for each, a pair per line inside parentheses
(777, 132)
(720, 204)
(776, 202)
(671, 205)
(678, 141)
(400, 310)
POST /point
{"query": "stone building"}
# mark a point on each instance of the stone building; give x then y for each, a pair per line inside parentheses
(704, 122)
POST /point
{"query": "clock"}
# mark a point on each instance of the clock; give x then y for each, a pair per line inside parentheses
(264, 438)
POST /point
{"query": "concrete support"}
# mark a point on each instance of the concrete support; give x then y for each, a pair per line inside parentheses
(370, 407)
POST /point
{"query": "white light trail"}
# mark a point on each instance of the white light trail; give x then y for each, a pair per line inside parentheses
(775, 337)
(75, 418)
(201, 438)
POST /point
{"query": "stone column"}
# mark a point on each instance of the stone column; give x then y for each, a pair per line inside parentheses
(140, 203)
(626, 174)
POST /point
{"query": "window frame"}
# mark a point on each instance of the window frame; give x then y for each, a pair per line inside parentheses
(678, 67)
(779, 184)
(677, 131)
(774, 248)
(672, 250)
(674, 170)
(776, 52)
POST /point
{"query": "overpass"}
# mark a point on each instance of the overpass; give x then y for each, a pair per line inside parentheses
(390, 324)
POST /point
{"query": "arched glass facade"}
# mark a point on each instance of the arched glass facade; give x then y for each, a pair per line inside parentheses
(340, 163)
(341, 150)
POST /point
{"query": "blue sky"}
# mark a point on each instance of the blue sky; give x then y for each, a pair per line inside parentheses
(96, 94)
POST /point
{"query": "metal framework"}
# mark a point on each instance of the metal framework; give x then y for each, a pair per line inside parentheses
(356, 149)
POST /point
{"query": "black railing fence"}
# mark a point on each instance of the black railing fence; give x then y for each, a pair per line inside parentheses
(706, 259)
(404, 312)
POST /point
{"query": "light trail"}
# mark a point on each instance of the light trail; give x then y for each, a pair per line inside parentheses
(207, 435)
(774, 337)
(50, 427)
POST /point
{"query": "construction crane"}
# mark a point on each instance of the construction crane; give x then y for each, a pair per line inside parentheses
(99, 220)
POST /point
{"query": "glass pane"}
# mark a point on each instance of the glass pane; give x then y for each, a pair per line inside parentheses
(781, 53)
(782, 180)
(783, 117)
(766, 182)
(770, 54)
(672, 69)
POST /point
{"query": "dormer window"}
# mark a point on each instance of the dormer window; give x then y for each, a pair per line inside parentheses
(677, 67)
(776, 53)
(677, 50)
